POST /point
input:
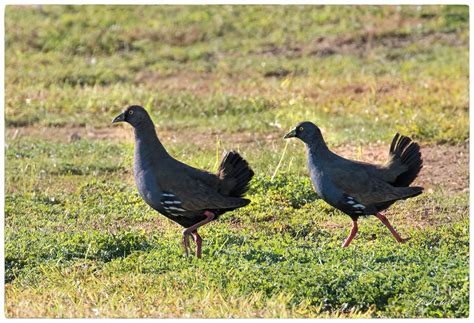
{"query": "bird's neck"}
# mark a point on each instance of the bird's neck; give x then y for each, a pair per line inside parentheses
(318, 147)
(318, 152)
(147, 142)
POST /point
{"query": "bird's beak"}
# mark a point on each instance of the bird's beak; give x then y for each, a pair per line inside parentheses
(119, 118)
(290, 134)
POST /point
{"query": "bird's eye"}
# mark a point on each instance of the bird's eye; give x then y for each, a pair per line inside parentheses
(301, 129)
(130, 112)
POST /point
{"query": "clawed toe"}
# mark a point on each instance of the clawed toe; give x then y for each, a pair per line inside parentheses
(186, 244)
(404, 240)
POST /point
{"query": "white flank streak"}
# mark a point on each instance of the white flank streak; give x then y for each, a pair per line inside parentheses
(176, 208)
(350, 202)
(359, 206)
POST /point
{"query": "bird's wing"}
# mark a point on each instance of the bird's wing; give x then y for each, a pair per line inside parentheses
(207, 178)
(364, 187)
(388, 172)
(196, 195)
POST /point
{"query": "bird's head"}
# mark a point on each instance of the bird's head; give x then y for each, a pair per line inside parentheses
(134, 115)
(307, 131)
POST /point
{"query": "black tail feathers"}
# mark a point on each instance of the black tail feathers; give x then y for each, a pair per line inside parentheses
(236, 171)
(408, 153)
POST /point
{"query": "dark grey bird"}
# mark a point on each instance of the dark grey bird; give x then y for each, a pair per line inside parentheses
(189, 196)
(357, 188)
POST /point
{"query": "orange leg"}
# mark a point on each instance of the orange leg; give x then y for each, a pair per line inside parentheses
(352, 234)
(192, 230)
(385, 221)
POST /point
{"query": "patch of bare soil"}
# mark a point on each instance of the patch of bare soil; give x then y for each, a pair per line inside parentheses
(68, 134)
(360, 44)
(445, 166)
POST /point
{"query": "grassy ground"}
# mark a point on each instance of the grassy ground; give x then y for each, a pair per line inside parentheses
(79, 241)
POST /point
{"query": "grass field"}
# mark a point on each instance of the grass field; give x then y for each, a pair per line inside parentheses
(79, 241)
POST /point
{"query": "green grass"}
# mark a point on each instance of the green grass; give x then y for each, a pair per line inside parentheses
(80, 242)
(212, 62)
(80, 220)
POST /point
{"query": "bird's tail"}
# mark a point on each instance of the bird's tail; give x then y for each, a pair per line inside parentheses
(235, 174)
(407, 152)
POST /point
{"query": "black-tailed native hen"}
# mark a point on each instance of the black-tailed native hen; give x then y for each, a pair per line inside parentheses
(357, 188)
(189, 196)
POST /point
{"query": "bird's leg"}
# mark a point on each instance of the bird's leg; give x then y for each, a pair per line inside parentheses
(198, 240)
(385, 221)
(352, 234)
(187, 232)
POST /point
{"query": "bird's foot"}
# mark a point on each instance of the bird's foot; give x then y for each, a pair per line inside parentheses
(346, 243)
(192, 230)
(395, 234)
(198, 240)
(403, 240)
(351, 235)
(186, 244)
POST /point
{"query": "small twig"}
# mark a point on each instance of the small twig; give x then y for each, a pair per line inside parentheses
(279, 163)
(217, 153)
(87, 252)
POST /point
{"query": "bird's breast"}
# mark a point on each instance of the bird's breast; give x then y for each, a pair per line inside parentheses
(148, 187)
(322, 182)
(316, 174)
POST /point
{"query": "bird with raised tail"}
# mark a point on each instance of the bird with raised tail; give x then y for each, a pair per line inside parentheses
(189, 196)
(357, 188)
